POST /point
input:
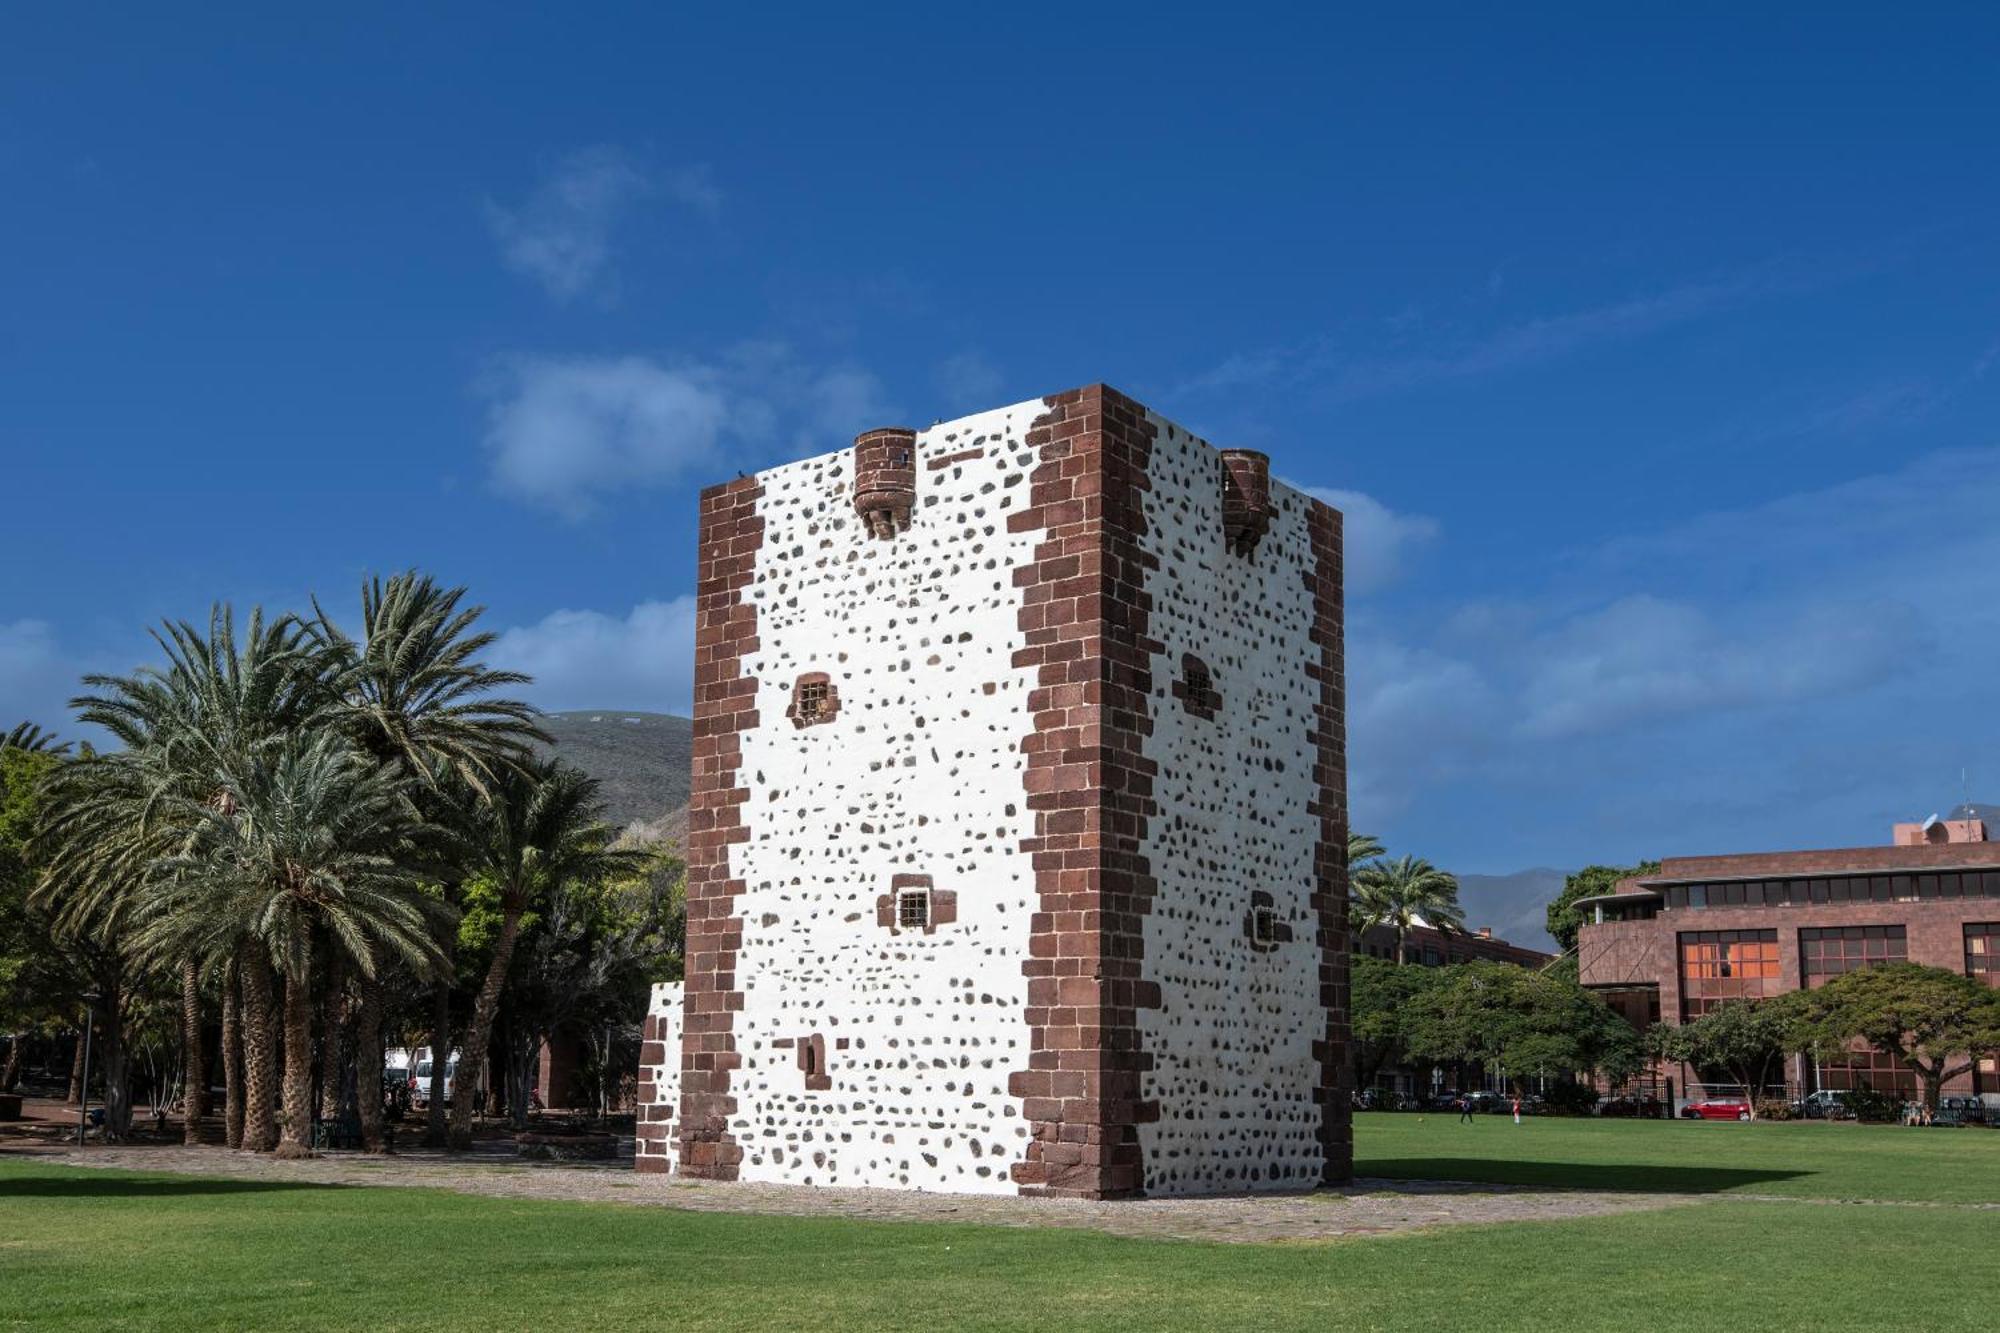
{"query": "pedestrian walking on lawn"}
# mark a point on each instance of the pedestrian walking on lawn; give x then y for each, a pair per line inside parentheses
(1465, 1110)
(1517, 1110)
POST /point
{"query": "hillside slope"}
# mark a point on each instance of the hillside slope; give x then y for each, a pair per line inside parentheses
(642, 760)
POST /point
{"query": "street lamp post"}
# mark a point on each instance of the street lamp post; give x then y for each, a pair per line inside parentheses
(83, 1093)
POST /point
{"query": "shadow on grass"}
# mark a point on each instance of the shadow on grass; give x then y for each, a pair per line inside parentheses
(1647, 1179)
(95, 1185)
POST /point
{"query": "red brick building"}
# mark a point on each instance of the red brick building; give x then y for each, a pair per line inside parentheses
(1670, 946)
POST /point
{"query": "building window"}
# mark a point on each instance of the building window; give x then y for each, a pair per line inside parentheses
(1718, 966)
(1867, 1069)
(1982, 951)
(814, 700)
(913, 909)
(1196, 687)
(1827, 953)
(913, 905)
(812, 1063)
(1261, 924)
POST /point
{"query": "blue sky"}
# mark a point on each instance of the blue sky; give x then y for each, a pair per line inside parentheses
(1654, 357)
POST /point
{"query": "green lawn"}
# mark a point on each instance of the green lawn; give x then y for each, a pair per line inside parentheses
(97, 1249)
(1802, 1159)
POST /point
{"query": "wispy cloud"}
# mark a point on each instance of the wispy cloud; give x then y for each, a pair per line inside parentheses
(1378, 542)
(561, 235)
(564, 432)
(643, 659)
(1782, 644)
(968, 381)
(1411, 348)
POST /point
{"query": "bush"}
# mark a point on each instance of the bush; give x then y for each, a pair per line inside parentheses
(1774, 1108)
(1570, 1099)
(1872, 1107)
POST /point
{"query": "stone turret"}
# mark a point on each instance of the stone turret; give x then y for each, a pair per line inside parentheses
(885, 478)
(1246, 499)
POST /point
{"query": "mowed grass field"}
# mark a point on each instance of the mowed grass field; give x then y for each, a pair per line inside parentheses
(1808, 1159)
(98, 1249)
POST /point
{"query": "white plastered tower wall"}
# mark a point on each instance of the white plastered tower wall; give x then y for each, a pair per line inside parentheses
(1233, 1039)
(826, 1040)
(919, 773)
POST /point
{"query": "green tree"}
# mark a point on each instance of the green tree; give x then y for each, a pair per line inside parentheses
(1402, 893)
(1934, 1022)
(37, 985)
(1362, 848)
(1748, 1039)
(543, 827)
(1564, 920)
(1517, 1023)
(1380, 996)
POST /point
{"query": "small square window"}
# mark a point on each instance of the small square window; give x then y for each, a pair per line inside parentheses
(1264, 927)
(913, 909)
(812, 701)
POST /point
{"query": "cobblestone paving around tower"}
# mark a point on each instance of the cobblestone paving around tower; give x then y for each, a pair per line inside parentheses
(1366, 1208)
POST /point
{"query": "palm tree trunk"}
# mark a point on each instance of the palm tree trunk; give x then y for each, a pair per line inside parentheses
(333, 1030)
(194, 1098)
(479, 1033)
(1402, 934)
(297, 1138)
(232, 1060)
(75, 1097)
(260, 1055)
(436, 1133)
(12, 1073)
(112, 1052)
(368, 1060)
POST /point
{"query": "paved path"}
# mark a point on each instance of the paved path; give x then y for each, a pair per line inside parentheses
(1368, 1207)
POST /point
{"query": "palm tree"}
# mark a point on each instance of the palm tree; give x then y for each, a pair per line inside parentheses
(314, 846)
(1362, 847)
(1406, 892)
(542, 826)
(219, 702)
(28, 736)
(412, 692)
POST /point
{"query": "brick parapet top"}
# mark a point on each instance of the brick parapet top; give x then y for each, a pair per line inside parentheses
(1831, 861)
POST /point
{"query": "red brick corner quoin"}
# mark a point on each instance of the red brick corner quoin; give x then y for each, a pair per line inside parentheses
(1085, 616)
(725, 706)
(1329, 897)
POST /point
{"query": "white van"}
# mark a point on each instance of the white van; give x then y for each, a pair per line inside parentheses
(420, 1078)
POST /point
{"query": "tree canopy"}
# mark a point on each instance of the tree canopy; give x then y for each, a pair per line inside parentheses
(1564, 919)
(1519, 1023)
(1935, 1022)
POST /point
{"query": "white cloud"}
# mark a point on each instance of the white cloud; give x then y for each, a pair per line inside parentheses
(561, 236)
(1377, 543)
(563, 432)
(1667, 675)
(588, 659)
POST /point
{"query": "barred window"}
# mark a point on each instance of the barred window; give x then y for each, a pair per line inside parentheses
(913, 909)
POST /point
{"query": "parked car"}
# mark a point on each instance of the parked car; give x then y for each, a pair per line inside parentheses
(1963, 1110)
(1719, 1108)
(1631, 1107)
(1490, 1103)
(1822, 1105)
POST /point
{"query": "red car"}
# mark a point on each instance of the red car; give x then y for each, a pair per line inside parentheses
(1719, 1109)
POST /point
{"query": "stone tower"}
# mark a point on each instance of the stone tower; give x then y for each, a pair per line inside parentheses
(1017, 837)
